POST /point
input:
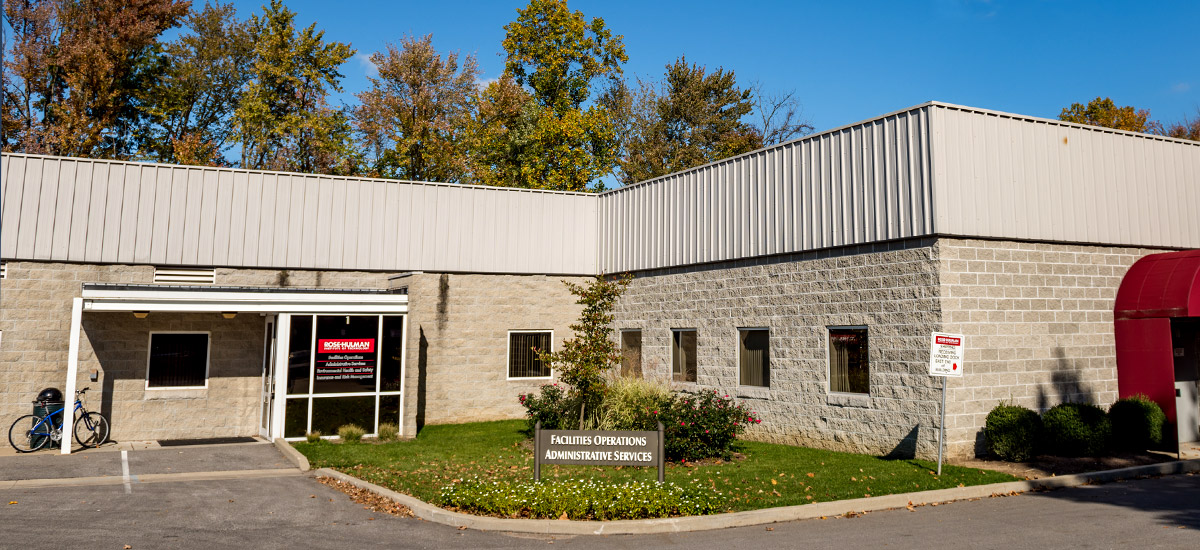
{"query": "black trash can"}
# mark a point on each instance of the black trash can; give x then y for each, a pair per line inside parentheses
(49, 400)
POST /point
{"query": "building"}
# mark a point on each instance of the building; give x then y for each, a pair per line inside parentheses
(804, 278)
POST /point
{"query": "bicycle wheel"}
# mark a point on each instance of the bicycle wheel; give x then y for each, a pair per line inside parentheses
(91, 429)
(24, 438)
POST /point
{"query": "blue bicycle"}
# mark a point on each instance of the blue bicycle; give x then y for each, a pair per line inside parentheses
(32, 432)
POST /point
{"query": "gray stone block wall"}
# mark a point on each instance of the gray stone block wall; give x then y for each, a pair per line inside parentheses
(457, 362)
(892, 288)
(1039, 324)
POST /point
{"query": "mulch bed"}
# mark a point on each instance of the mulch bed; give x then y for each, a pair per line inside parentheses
(369, 500)
(1047, 466)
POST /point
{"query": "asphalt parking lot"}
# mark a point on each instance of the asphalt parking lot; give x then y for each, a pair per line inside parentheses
(283, 508)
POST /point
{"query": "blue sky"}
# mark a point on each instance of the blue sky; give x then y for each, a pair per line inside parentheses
(847, 61)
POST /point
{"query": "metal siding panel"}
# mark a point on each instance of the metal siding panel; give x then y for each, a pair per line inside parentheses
(351, 217)
(169, 215)
(80, 204)
(98, 228)
(148, 189)
(243, 210)
(192, 212)
(378, 220)
(31, 202)
(131, 189)
(338, 224)
(269, 223)
(223, 222)
(15, 183)
(310, 213)
(61, 215)
(391, 228)
(294, 238)
(43, 239)
(207, 226)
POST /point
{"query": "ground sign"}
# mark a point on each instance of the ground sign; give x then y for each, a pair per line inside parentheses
(946, 352)
(597, 448)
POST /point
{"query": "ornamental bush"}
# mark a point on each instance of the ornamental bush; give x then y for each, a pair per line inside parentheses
(1013, 432)
(703, 424)
(351, 433)
(1077, 429)
(1137, 423)
(552, 407)
(581, 499)
(634, 403)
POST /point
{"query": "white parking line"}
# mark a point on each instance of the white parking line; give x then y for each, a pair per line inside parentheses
(125, 471)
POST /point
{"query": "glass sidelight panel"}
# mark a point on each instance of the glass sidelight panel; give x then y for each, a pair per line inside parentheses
(346, 354)
(392, 353)
(296, 417)
(331, 413)
(299, 355)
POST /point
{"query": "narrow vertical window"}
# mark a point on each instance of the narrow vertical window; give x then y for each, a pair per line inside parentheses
(683, 355)
(631, 353)
(523, 361)
(849, 367)
(754, 357)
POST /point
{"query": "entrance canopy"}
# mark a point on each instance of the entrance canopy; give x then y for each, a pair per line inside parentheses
(239, 299)
(1161, 285)
(218, 299)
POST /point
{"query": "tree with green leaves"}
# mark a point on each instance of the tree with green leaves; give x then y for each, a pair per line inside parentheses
(691, 118)
(1102, 111)
(584, 359)
(284, 120)
(557, 55)
(414, 117)
(192, 105)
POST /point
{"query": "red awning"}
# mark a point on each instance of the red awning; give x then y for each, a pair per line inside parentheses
(1161, 285)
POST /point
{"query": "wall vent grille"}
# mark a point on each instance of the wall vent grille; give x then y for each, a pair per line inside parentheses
(3, 270)
(184, 276)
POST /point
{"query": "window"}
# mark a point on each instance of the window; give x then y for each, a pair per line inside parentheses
(522, 361)
(683, 355)
(754, 357)
(178, 360)
(849, 367)
(631, 353)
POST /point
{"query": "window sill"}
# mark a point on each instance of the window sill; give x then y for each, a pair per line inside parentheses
(860, 400)
(176, 393)
(753, 392)
(528, 378)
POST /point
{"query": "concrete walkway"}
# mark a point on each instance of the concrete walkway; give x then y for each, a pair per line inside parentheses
(113, 465)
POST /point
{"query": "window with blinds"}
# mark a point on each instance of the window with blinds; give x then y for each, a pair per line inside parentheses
(849, 364)
(178, 360)
(522, 359)
(631, 353)
(754, 357)
(683, 355)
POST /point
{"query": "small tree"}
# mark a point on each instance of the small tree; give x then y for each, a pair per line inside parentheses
(583, 359)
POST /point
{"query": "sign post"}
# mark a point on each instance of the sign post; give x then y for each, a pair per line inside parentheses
(597, 448)
(946, 353)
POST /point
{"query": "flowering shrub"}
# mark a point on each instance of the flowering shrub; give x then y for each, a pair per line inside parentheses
(696, 425)
(581, 499)
(703, 424)
(552, 407)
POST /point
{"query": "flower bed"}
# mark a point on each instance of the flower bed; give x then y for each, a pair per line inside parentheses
(580, 499)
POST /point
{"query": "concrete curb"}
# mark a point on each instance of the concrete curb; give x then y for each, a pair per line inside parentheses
(292, 454)
(436, 514)
(147, 478)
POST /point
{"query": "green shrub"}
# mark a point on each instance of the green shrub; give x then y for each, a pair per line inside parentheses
(1013, 432)
(703, 424)
(313, 437)
(1077, 429)
(389, 431)
(550, 406)
(351, 433)
(633, 404)
(1137, 423)
(581, 499)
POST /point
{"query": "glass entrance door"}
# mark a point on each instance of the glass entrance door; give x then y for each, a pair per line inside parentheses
(343, 369)
(267, 388)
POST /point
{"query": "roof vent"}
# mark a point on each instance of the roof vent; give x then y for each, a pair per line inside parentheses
(184, 276)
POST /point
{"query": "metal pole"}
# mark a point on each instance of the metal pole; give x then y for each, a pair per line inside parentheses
(942, 427)
(661, 458)
(537, 455)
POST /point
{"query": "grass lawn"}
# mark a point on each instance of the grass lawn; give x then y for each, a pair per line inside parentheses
(770, 476)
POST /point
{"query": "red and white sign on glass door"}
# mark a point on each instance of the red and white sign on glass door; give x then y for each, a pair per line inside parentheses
(946, 354)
